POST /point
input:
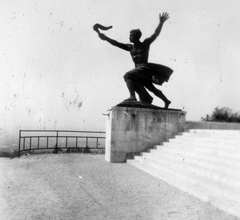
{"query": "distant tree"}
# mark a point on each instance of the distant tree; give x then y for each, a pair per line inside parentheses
(222, 115)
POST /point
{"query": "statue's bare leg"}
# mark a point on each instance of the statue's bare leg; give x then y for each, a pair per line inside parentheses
(134, 84)
(130, 85)
(130, 82)
(143, 94)
(159, 94)
(167, 103)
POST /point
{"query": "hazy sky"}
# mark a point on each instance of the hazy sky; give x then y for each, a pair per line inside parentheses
(55, 70)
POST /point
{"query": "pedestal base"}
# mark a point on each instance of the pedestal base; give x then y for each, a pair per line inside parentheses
(131, 130)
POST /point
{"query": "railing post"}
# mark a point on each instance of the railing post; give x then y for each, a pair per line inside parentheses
(57, 143)
(76, 141)
(47, 142)
(24, 143)
(19, 143)
(30, 146)
(38, 142)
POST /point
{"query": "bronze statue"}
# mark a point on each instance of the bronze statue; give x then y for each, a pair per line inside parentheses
(145, 74)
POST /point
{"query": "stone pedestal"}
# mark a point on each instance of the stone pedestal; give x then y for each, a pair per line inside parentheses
(131, 130)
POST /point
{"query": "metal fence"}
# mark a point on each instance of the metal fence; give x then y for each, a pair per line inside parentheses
(57, 140)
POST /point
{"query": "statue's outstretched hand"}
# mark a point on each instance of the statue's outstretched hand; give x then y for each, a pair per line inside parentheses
(163, 17)
(102, 36)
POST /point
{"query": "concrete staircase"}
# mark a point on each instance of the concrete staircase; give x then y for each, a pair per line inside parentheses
(204, 163)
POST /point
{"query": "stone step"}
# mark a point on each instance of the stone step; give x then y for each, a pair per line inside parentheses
(213, 131)
(221, 164)
(207, 139)
(191, 177)
(233, 145)
(212, 135)
(216, 144)
(201, 148)
(225, 176)
(226, 160)
(223, 202)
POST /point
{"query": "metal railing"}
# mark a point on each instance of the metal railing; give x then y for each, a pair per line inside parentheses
(31, 140)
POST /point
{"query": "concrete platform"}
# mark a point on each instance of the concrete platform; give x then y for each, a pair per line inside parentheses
(86, 187)
(131, 130)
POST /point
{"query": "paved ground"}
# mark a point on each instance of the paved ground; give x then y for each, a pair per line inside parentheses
(81, 186)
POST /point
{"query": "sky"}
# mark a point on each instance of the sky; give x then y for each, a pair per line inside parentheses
(55, 73)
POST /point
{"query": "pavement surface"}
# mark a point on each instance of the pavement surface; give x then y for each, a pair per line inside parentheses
(85, 186)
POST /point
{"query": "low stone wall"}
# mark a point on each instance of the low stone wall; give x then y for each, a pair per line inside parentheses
(211, 125)
(8, 152)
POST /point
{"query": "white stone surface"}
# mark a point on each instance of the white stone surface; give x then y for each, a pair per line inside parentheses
(204, 163)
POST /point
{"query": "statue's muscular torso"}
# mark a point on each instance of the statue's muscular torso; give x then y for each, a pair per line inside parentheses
(139, 53)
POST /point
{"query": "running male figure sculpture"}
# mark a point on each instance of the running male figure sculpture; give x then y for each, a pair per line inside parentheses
(145, 74)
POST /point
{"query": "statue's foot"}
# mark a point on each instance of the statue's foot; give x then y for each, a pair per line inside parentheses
(149, 101)
(167, 103)
(130, 99)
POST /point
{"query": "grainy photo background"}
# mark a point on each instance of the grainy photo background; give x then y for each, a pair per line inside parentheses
(55, 73)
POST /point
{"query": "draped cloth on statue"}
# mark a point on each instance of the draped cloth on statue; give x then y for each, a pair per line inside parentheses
(156, 73)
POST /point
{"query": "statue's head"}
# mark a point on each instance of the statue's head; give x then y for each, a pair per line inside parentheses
(135, 35)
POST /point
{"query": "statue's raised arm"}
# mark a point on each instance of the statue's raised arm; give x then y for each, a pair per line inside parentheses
(162, 19)
(102, 36)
